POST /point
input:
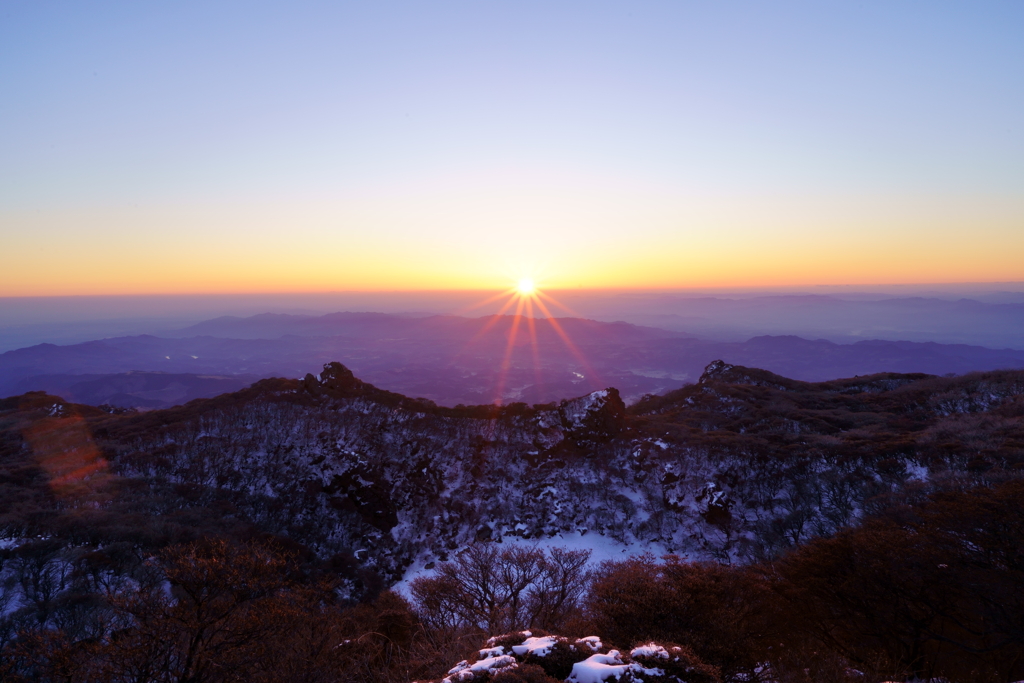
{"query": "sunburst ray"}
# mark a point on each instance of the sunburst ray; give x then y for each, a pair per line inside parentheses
(529, 302)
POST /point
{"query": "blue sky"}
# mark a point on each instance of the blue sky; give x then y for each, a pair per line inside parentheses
(382, 130)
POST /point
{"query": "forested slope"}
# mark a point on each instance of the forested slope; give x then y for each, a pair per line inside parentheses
(354, 486)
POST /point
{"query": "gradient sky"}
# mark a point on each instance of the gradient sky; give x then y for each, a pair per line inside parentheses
(174, 147)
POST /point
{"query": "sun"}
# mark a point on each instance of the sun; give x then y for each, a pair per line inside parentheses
(525, 287)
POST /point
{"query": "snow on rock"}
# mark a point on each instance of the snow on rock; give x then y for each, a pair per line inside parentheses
(576, 412)
(493, 640)
(461, 666)
(714, 369)
(649, 650)
(650, 662)
(457, 671)
(539, 647)
(464, 671)
(494, 664)
(592, 642)
(599, 668)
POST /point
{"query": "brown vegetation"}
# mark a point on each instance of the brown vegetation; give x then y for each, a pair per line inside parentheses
(147, 548)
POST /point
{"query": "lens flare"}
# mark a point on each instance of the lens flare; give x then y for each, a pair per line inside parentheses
(524, 307)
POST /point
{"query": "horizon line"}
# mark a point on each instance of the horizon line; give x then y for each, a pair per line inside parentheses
(708, 288)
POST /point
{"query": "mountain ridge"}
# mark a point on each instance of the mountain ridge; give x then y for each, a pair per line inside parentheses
(741, 465)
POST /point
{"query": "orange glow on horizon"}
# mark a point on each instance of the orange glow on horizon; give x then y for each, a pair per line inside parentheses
(604, 239)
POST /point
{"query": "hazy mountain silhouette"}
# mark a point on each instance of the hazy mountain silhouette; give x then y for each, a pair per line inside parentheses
(949, 314)
(452, 359)
(136, 389)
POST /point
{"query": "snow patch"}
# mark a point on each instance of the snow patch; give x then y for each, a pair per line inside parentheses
(464, 671)
(539, 647)
(598, 668)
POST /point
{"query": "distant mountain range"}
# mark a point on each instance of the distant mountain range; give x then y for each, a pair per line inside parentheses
(448, 359)
(981, 316)
(962, 321)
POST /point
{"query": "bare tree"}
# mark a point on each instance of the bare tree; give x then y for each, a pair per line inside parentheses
(560, 589)
(504, 589)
